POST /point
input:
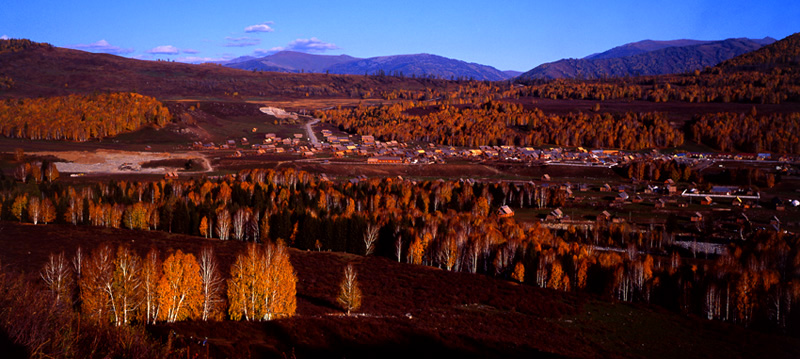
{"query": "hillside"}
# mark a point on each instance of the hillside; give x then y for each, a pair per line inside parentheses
(290, 61)
(784, 53)
(35, 71)
(411, 310)
(419, 65)
(666, 59)
(640, 47)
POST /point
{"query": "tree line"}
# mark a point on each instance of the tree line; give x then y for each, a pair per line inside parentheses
(119, 287)
(503, 123)
(726, 131)
(80, 117)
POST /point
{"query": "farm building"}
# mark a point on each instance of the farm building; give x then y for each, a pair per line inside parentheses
(505, 212)
(384, 160)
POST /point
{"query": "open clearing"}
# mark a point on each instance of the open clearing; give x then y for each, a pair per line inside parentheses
(113, 161)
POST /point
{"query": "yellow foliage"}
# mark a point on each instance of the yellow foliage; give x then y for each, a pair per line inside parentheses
(263, 284)
(179, 289)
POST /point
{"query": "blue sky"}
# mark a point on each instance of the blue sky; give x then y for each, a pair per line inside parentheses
(509, 35)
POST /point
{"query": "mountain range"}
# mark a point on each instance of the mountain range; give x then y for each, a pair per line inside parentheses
(416, 65)
(648, 58)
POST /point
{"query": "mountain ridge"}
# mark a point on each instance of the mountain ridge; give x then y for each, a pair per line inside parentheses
(666, 59)
(416, 65)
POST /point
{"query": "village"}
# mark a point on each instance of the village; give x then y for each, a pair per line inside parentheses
(721, 213)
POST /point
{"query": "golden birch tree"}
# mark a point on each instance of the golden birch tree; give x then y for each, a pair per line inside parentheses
(263, 284)
(212, 290)
(151, 275)
(180, 288)
(349, 292)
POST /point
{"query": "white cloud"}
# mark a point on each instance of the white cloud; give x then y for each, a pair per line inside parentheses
(102, 46)
(262, 27)
(164, 50)
(307, 45)
(190, 51)
(4, 37)
(241, 41)
(200, 59)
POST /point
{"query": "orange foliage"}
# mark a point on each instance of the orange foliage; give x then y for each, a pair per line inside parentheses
(179, 289)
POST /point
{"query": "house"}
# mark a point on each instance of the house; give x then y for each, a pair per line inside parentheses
(606, 188)
(778, 203)
(604, 216)
(697, 217)
(569, 192)
(637, 199)
(556, 214)
(171, 174)
(505, 212)
(661, 203)
(622, 197)
(384, 160)
(671, 187)
(546, 177)
(706, 201)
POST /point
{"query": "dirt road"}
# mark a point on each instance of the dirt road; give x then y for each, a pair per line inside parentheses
(312, 137)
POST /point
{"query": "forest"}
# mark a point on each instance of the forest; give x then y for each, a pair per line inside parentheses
(80, 117)
(501, 123)
(728, 132)
(450, 225)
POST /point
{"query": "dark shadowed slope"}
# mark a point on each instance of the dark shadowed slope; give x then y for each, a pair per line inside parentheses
(784, 53)
(641, 47)
(49, 71)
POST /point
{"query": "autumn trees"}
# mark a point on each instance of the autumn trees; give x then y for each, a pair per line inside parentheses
(349, 292)
(79, 117)
(446, 224)
(180, 289)
(776, 132)
(501, 123)
(120, 287)
(262, 284)
(57, 275)
(212, 285)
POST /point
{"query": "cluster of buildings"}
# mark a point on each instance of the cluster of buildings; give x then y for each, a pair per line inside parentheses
(394, 152)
